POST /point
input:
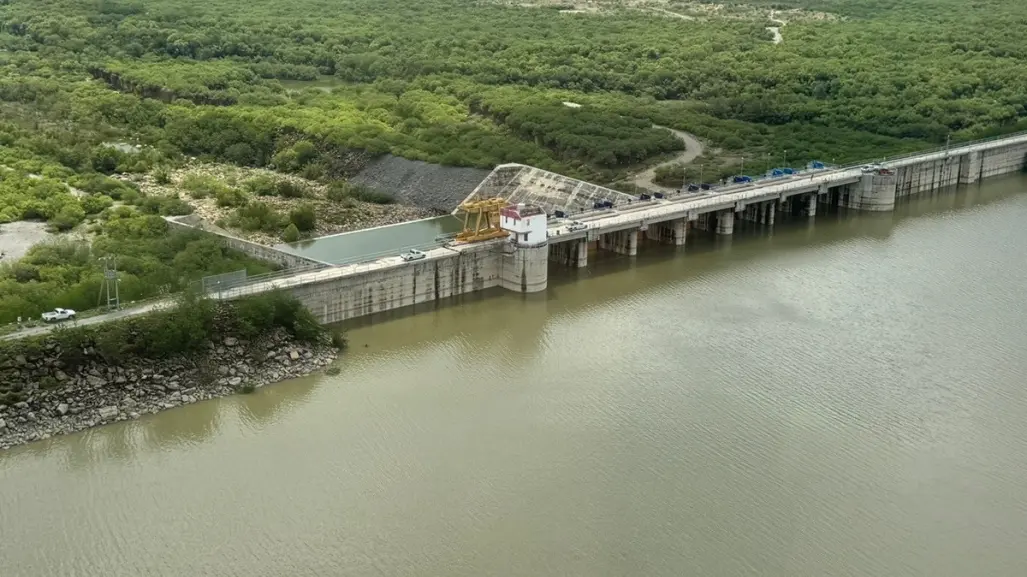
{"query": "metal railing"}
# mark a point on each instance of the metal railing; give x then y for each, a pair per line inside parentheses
(952, 146)
(766, 181)
(347, 266)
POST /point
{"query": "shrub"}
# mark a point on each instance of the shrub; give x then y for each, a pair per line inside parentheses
(230, 197)
(371, 195)
(339, 190)
(174, 206)
(339, 340)
(303, 217)
(291, 234)
(68, 217)
(96, 203)
(258, 216)
(202, 186)
(162, 176)
(100, 184)
(289, 189)
(261, 186)
(106, 159)
(313, 171)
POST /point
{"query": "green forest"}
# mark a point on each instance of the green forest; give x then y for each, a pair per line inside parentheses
(316, 88)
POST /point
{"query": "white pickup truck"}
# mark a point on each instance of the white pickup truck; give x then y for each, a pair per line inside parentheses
(58, 315)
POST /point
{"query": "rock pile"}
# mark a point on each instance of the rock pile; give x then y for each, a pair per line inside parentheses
(51, 400)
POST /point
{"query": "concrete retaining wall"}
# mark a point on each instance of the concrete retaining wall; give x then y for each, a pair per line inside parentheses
(1003, 160)
(418, 282)
(963, 169)
(927, 176)
(258, 251)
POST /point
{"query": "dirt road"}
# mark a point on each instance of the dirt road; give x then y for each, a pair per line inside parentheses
(693, 148)
(121, 314)
(776, 30)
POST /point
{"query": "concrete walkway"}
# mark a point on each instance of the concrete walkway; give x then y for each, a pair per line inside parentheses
(693, 148)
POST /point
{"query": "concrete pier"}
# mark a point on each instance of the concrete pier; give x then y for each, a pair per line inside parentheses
(811, 204)
(875, 192)
(771, 209)
(525, 269)
(970, 166)
(621, 242)
(573, 254)
(726, 222)
(671, 232)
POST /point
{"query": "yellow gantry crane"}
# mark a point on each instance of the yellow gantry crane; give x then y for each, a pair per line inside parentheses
(481, 220)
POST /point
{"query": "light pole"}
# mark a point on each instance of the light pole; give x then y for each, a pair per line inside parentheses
(700, 176)
(785, 159)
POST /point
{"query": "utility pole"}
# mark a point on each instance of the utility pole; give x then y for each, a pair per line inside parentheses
(743, 167)
(700, 175)
(110, 277)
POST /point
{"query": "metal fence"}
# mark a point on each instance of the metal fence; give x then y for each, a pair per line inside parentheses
(217, 282)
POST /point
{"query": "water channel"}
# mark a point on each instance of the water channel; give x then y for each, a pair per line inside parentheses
(842, 399)
(374, 243)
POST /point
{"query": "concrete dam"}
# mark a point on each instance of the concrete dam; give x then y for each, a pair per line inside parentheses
(552, 218)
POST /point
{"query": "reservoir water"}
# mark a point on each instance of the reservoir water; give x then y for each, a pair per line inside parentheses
(372, 243)
(842, 399)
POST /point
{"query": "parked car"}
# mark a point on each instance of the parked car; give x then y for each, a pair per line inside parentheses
(58, 315)
(576, 226)
(412, 254)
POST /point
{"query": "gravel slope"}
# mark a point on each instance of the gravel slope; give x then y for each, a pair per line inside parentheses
(421, 184)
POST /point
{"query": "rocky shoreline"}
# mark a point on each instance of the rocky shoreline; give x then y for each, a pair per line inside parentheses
(56, 402)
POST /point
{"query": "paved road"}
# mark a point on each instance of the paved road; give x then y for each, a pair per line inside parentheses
(693, 148)
(107, 317)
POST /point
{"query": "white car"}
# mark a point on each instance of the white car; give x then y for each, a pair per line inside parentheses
(58, 315)
(412, 254)
(575, 226)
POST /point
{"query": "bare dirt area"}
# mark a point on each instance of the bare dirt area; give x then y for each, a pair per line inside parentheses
(676, 9)
(17, 237)
(333, 216)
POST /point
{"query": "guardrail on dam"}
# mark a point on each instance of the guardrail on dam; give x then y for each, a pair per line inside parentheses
(348, 291)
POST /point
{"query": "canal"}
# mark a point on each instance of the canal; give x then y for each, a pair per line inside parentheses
(845, 398)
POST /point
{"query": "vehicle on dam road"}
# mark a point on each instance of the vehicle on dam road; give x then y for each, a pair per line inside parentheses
(59, 315)
(412, 254)
(575, 226)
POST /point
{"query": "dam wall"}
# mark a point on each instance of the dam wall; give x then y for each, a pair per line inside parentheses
(337, 298)
(340, 293)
